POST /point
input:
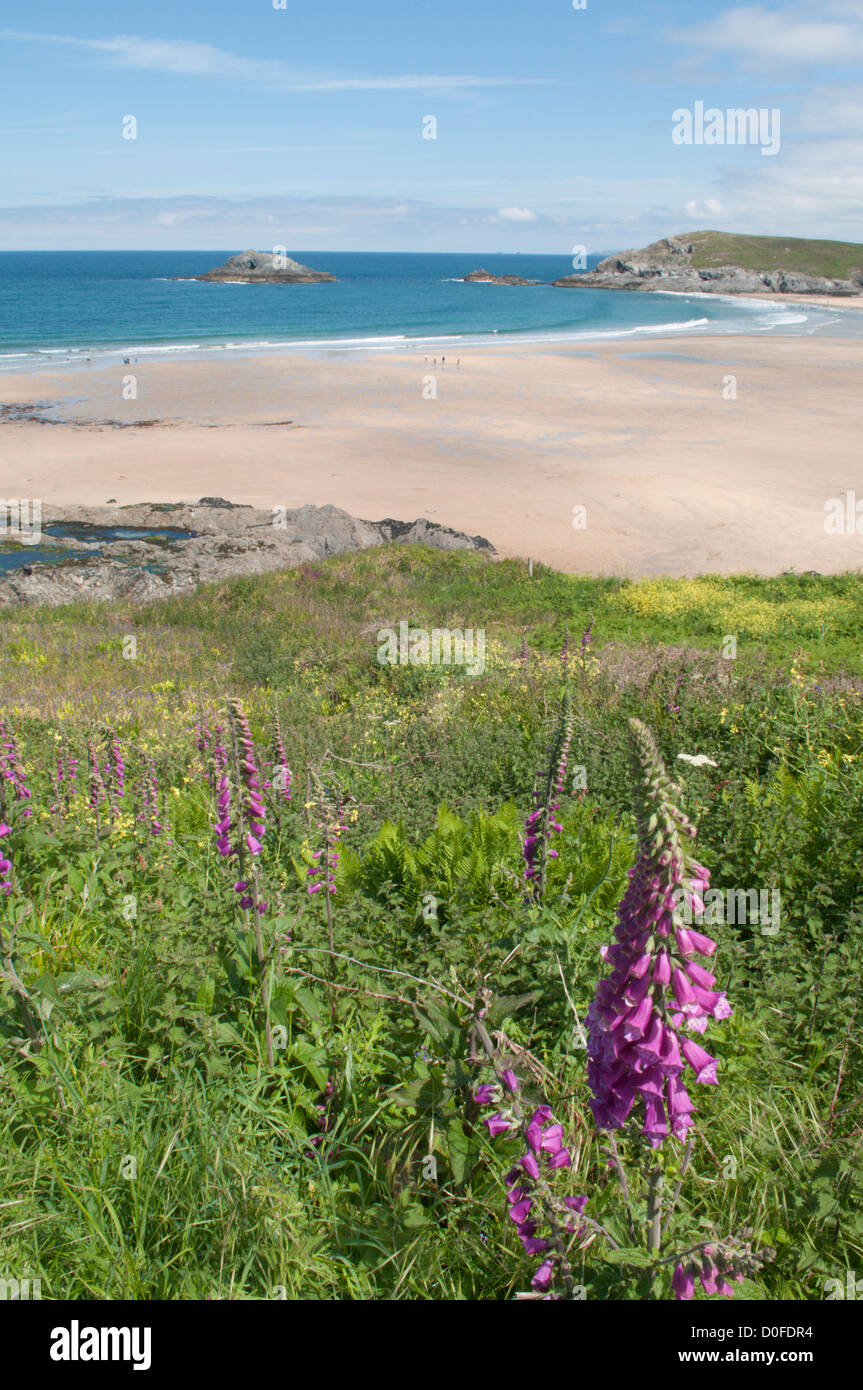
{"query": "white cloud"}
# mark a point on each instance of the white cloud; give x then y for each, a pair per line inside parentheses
(815, 189)
(766, 38)
(516, 215)
(203, 60)
(831, 111)
(710, 207)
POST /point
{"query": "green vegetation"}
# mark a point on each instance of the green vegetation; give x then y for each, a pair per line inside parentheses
(147, 1150)
(833, 259)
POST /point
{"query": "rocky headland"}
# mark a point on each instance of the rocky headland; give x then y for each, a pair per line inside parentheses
(669, 264)
(265, 267)
(194, 543)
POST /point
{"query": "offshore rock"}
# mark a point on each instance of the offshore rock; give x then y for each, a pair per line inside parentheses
(484, 277)
(265, 267)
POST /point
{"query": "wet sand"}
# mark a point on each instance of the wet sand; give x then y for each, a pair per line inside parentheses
(679, 469)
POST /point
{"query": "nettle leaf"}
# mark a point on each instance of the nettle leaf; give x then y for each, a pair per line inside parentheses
(457, 1076)
(462, 1150)
(309, 1004)
(226, 1033)
(99, 1028)
(824, 1204)
(439, 1025)
(423, 1093)
(314, 1059)
(45, 985)
(808, 1259)
(637, 1259)
(412, 1216)
(505, 1005)
(206, 994)
(71, 980)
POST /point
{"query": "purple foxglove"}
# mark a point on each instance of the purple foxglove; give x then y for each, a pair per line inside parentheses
(636, 1050)
(699, 976)
(530, 1165)
(541, 822)
(543, 1114)
(561, 1159)
(552, 1139)
(683, 1283)
(497, 1124)
(576, 1204)
(701, 1062)
(519, 1211)
(533, 1135)
(662, 969)
(542, 1279)
(535, 1245)
(690, 941)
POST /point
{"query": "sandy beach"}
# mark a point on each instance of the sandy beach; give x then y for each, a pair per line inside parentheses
(816, 301)
(687, 455)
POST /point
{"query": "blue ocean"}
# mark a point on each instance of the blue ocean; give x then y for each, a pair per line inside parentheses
(59, 307)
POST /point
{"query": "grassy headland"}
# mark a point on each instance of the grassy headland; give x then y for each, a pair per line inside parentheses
(833, 259)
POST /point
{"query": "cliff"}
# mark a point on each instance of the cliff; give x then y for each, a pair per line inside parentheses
(221, 539)
(721, 263)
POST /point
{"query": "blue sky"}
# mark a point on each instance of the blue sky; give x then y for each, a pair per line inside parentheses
(303, 126)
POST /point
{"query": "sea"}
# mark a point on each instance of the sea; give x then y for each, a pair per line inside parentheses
(60, 308)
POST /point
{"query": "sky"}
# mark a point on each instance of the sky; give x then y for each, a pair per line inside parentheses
(306, 126)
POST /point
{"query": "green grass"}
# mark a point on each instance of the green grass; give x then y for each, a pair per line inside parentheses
(258, 632)
(832, 259)
(148, 1151)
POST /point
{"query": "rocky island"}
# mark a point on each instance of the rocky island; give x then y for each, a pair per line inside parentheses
(265, 267)
(723, 263)
(483, 277)
(155, 550)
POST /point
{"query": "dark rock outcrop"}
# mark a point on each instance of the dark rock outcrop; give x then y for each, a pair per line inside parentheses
(668, 265)
(224, 539)
(422, 532)
(265, 267)
(483, 277)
